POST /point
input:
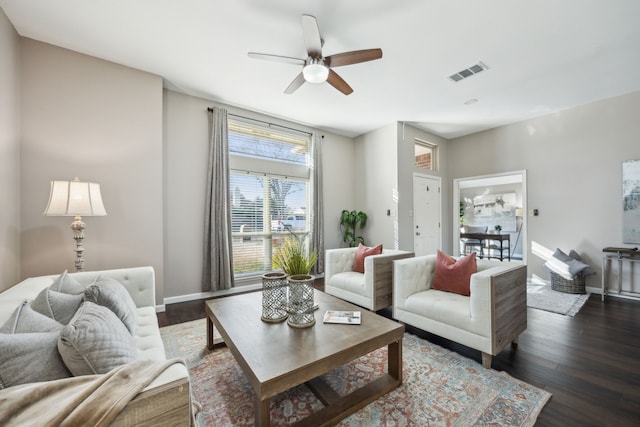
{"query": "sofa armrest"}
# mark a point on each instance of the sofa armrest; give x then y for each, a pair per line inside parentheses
(410, 276)
(378, 275)
(503, 288)
(166, 405)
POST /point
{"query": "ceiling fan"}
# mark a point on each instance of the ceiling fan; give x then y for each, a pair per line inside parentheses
(317, 68)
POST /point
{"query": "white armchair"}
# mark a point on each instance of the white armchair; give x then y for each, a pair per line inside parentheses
(371, 290)
(488, 320)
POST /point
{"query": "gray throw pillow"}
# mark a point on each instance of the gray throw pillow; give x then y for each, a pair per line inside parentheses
(56, 305)
(95, 341)
(113, 295)
(25, 319)
(587, 271)
(28, 358)
(67, 284)
(573, 266)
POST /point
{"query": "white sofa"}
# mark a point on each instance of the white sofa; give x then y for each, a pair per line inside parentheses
(492, 317)
(166, 400)
(371, 289)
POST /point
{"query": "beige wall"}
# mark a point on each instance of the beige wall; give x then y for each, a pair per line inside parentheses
(376, 183)
(573, 161)
(407, 135)
(9, 154)
(384, 164)
(186, 151)
(102, 122)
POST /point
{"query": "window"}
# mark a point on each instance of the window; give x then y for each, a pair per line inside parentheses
(425, 155)
(270, 197)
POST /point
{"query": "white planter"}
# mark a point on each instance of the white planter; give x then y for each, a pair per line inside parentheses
(301, 313)
(274, 297)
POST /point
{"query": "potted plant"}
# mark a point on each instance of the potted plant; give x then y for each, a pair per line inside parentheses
(293, 257)
(498, 228)
(296, 261)
(349, 221)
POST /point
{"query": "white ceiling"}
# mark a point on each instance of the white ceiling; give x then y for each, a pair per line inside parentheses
(543, 56)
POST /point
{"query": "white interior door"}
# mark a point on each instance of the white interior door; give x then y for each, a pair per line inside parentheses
(426, 214)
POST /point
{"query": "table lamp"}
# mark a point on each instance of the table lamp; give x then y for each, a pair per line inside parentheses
(77, 199)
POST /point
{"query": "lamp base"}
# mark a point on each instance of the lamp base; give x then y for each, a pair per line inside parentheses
(78, 235)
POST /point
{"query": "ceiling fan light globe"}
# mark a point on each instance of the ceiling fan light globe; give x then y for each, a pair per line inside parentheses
(315, 73)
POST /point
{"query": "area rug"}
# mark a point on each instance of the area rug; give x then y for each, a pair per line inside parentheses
(440, 388)
(542, 297)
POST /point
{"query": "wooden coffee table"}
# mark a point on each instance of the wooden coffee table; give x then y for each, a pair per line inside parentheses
(276, 357)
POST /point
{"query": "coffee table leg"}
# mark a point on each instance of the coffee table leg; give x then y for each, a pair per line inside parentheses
(262, 412)
(209, 333)
(394, 360)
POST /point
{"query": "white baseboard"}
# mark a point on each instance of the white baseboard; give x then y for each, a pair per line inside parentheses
(538, 280)
(593, 290)
(239, 288)
(160, 308)
(204, 295)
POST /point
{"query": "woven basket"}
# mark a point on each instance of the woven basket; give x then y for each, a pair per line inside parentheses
(573, 286)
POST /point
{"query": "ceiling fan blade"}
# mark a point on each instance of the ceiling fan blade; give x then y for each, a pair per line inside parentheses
(311, 34)
(354, 57)
(295, 84)
(277, 58)
(336, 81)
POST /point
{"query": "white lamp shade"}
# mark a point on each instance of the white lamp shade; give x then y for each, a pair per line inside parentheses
(315, 73)
(71, 198)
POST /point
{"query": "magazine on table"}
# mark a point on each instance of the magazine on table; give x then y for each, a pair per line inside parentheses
(346, 317)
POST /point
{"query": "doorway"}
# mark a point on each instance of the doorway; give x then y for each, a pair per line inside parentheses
(497, 200)
(427, 236)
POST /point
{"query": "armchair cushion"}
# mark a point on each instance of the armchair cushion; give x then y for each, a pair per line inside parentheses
(363, 252)
(454, 276)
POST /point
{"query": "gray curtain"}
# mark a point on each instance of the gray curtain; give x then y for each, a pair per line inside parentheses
(217, 267)
(317, 220)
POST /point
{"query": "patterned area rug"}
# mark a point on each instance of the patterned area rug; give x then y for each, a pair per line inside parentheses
(542, 297)
(440, 388)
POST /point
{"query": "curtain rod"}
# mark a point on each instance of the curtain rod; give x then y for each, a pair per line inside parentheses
(262, 121)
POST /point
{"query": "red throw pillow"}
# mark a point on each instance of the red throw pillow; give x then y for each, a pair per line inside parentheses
(452, 275)
(362, 253)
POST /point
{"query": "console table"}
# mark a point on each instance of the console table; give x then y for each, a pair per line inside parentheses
(485, 241)
(630, 255)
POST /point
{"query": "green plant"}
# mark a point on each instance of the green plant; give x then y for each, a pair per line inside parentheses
(293, 257)
(349, 221)
(498, 228)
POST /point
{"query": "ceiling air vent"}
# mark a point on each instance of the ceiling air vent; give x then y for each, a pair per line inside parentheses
(468, 72)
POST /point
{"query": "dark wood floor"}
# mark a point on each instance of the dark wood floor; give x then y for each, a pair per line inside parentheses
(590, 362)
